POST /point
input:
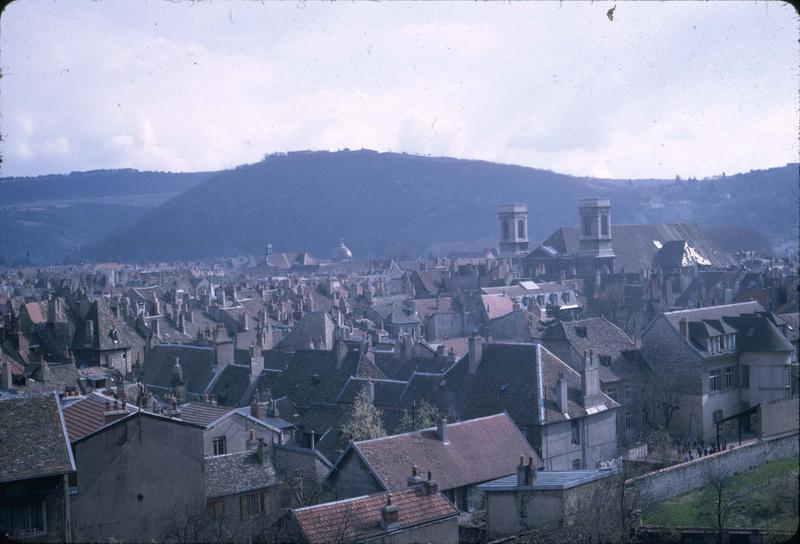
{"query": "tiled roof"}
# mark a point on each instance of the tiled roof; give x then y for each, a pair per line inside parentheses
(34, 312)
(85, 415)
(34, 438)
(359, 519)
(238, 473)
(314, 328)
(477, 451)
(202, 413)
(230, 387)
(106, 333)
(497, 305)
(633, 244)
(550, 480)
(196, 363)
(387, 392)
(312, 377)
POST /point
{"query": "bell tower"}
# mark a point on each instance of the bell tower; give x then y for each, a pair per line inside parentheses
(513, 229)
(595, 228)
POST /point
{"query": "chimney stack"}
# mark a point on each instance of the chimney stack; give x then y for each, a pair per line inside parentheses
(475, 353)
(562, 397)
(341, 353)
(590, 379)
(430, 486)
(415, 478)
(261, 451)
(6, 378)
(257, 407)
(684, 327)
(441, 429)
(370, 388)
(390, 514)
(521, 469)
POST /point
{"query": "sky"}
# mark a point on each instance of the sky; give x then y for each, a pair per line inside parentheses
(665, 89)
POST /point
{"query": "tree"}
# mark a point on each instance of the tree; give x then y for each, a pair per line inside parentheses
(662, 393)
(365, 420)
(421, 416)
(724, 498)
(191, 522)
(553, 312)
(611, 303)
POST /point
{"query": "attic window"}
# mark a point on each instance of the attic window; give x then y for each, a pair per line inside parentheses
(114, 335)
(315, 379)
(581, 331)
(503, 388)
(605, 360)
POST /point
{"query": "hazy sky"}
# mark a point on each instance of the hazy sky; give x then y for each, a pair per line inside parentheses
(666, 88)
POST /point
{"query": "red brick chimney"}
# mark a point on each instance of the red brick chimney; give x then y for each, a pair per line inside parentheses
(430, 486)
(390, 514)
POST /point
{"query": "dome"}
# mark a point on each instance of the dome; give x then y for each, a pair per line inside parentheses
(342, 253)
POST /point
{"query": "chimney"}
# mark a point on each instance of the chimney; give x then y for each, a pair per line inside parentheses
(561, 386)
(475, 353)
(370, 389)
(245, 321)
(590, 379)
(522, 479)
(89, 331)
(45, 373)
(684, 327)
(341, 353)
(273, 408)
(261, 451)
(256, 362)
(415, 478)
(154, 326)
(390, 514)
(312, 440)
(256, 407)
(6, 378)
(408, 347)
(441, 429)
(181, 323)
(251, 443)
(114, 413)
(530, 474)
(429, 486)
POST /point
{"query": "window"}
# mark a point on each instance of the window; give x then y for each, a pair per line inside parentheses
(587, 225)
(24, 519)
(730, 341)
(575, 427)
(553, 298)
(627, 390)
(730, 377)
(604, 225)
(630, 422)
(745, 376)
(565, 297)
(612, 393)
(540, 300)
(717, 416)
(713, 380)
(253, 505)
(220, 445)
(216, 509)
(714, 344)
(521, 229)
(505, 230)
(576, 464)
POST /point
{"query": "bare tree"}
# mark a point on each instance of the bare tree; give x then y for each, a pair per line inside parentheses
(611, 303)
(724, 498)
(191, 522)
(661, 393)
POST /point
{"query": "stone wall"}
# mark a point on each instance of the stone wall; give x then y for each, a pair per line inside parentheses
(684, 477)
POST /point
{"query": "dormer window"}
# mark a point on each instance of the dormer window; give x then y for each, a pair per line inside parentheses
(730, 342)
(715, 344)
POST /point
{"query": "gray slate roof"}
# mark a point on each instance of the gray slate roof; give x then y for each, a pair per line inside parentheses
(33, 438)
(236, 473)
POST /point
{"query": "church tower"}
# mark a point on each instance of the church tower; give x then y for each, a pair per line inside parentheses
(595, 228)
(513, 230)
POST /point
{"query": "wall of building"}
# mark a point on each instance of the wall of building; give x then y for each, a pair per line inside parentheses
(766, 375)
(353, 478)
(252, 528)
(132, 475)
(598, 442)
(684, 477)
(444, 532)
(512, 512)
(236, 430)
(779, 417)
(50, 491)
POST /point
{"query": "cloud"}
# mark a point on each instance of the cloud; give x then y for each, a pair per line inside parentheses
(662, 90)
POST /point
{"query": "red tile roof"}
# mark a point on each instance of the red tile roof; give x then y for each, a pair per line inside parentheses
(85, 416)
(358, 519)
(477, 450)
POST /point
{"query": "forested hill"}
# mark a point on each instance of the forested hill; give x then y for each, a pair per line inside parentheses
(43, 219)
(383, 202)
